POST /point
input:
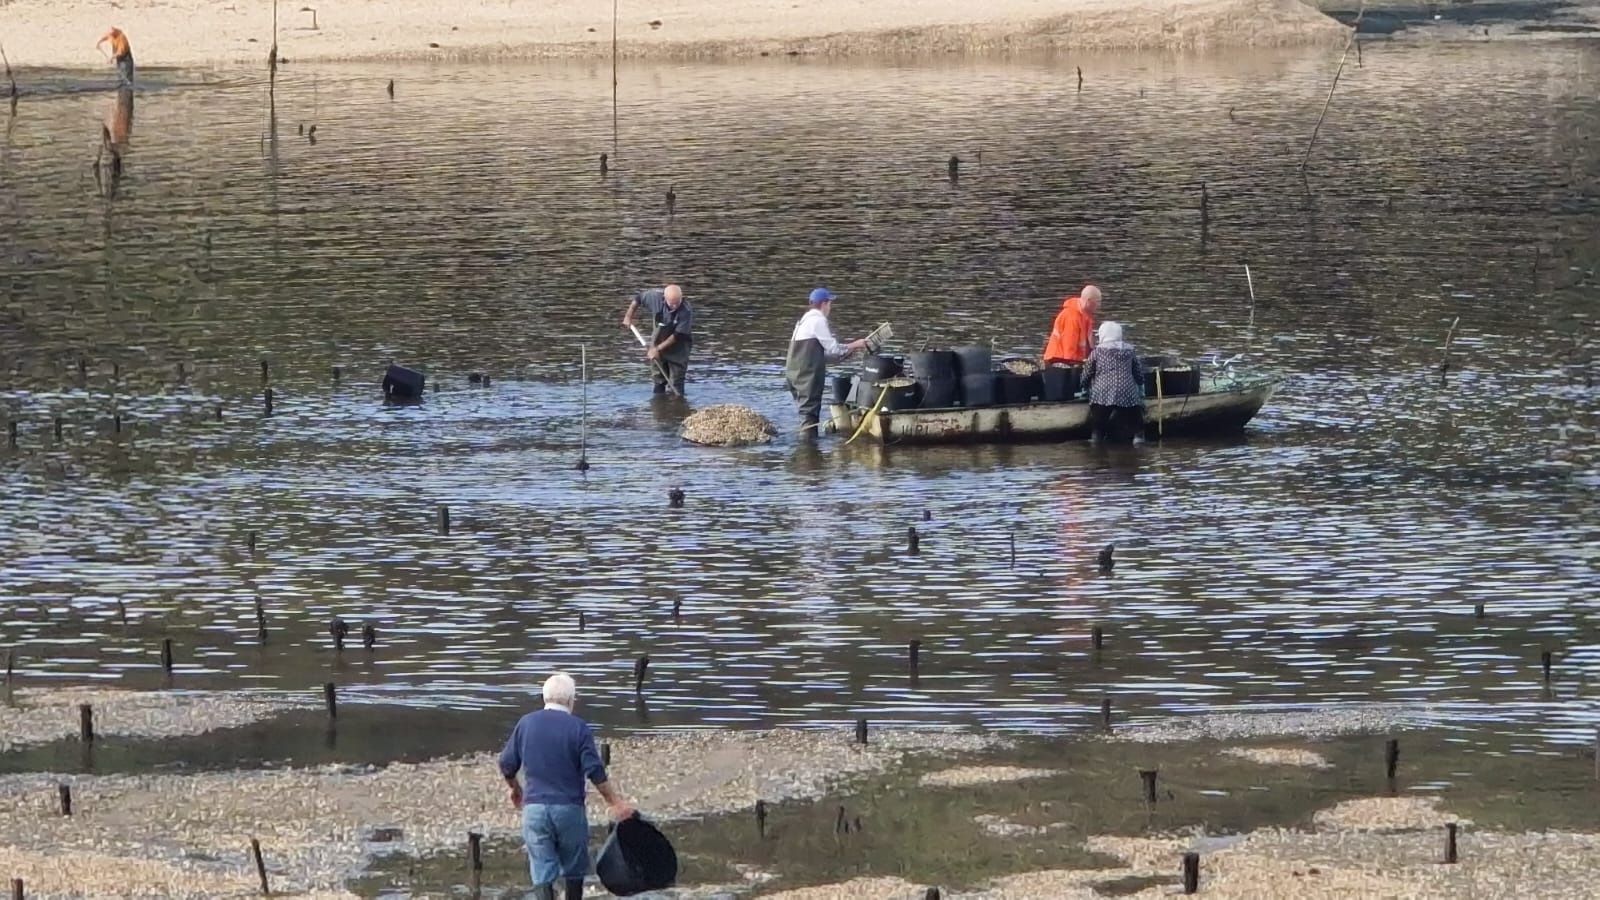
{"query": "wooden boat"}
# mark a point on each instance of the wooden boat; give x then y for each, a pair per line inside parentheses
(1224, 405)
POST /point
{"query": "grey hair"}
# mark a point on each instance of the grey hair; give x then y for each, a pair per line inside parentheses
(560, 689)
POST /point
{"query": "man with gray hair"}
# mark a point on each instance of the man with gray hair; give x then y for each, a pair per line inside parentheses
(554, 750)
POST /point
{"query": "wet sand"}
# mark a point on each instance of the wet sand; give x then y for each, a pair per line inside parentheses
(168, 834)
(200, 32)
(177, 835)
(40, 715)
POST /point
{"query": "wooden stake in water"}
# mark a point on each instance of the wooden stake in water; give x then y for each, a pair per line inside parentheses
(1444, 358)
(14, 92)
(261, 867)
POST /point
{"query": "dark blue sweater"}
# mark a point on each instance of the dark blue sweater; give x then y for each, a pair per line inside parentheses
(555, 751)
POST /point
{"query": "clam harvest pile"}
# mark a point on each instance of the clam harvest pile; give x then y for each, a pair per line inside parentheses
(727, 425)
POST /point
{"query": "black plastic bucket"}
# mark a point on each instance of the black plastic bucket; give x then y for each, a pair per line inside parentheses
(901, 396)
(973, 360)
(977, 390)
(1159, 362)
(635, 858)
(401, 383)
(841, 389)
(939, 393)
(1014, 390)
(933, 365)
(1060, 383)
(882, 367)
(1175, 382)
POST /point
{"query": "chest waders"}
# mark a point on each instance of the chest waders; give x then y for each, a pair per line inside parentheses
(807, 372)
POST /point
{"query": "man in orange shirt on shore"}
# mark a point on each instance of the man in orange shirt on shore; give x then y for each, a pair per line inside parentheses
(1072, 335)
(121, 54)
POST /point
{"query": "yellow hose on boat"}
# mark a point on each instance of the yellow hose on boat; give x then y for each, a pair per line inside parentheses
(871, 414)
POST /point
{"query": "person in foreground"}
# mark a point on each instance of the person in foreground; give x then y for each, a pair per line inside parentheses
(121, 54)
(1114, 379)
(1072, 334)
(811, 348)
(670, 342)
(554, 750)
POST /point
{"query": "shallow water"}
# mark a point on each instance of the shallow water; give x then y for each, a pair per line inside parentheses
(1333, 554)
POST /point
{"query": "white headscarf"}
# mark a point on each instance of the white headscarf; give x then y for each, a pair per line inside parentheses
(1110, 334)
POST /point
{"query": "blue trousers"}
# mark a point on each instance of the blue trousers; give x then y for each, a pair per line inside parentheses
(558, 842)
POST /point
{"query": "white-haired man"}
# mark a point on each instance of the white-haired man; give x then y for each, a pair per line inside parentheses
(554, 750)
(673, 337)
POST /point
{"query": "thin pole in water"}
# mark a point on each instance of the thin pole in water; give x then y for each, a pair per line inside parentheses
(1251, 283)
(614, 13)
(583, 432)
(1335, 86)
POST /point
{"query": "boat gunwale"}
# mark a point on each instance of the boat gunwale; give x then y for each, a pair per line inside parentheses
(1269, 383)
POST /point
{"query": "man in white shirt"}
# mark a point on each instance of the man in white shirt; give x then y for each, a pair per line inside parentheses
(811, 348)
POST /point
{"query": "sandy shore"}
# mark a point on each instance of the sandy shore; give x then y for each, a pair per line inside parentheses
(167, 834)
(171, 835)
(200, 32)
(177, 835)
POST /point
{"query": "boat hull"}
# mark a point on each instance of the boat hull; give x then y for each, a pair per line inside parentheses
(1214, 411)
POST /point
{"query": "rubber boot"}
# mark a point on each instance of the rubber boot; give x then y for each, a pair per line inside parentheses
(544, 892)
(574, 889)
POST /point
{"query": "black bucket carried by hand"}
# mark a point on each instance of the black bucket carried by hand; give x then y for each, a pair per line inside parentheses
(635, 858)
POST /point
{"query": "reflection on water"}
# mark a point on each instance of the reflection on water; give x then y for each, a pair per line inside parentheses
(1334, 554)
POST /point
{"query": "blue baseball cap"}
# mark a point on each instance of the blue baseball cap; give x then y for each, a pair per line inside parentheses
(821, 295)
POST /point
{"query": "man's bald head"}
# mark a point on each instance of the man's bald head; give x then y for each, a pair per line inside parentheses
(1091, 298)
(673, 295)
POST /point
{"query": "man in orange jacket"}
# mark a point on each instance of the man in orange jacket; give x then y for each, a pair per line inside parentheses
(1072, 335)
(121, 54)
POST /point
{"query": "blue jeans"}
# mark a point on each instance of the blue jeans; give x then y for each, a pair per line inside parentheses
(557, 836)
